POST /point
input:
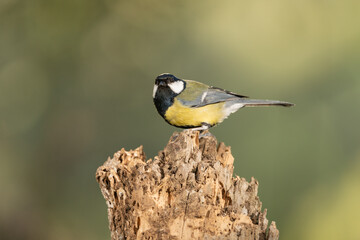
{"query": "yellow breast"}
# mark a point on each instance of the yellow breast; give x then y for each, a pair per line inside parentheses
(180, 115)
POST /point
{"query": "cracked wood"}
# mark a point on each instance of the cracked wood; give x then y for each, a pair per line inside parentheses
(186, 192)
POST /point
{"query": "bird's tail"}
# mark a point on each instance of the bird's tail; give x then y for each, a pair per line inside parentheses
(259, 102)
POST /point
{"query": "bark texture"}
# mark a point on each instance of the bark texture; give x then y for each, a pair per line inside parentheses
(186, 192)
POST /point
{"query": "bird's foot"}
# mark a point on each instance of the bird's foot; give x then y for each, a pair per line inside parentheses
(205, 133)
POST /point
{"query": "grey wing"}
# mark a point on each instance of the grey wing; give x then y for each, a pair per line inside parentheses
(216, 95)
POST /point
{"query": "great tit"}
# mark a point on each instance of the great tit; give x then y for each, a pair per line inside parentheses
(191, 104)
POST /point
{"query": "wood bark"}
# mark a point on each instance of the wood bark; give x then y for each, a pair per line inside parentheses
(186, 192)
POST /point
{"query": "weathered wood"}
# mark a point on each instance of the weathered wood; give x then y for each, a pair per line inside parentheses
(186, 192)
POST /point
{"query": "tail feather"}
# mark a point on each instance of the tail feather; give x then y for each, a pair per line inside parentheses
(259, 102)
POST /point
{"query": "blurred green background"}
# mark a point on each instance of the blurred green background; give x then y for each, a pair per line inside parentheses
(76, 81)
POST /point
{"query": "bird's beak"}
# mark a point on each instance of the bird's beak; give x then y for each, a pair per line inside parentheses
(162, 84)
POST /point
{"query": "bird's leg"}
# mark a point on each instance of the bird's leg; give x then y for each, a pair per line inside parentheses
(203, 130)
(203, 127)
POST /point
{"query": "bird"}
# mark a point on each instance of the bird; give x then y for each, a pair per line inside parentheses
(194, 105)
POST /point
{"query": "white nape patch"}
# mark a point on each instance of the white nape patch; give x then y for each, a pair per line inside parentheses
(233, 108)
(177, 86)
(203, 96)
(154, 90)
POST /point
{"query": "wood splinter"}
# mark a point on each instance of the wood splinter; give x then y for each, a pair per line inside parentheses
(186, 192)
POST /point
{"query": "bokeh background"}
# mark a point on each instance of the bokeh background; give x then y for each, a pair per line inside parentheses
(76, 81)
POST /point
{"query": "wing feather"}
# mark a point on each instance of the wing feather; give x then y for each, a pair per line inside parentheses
(197, 94)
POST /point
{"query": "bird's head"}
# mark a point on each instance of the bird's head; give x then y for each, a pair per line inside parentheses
(168, 82)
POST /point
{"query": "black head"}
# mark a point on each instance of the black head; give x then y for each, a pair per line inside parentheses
(165, 79)
(168, 83)
(166, 88)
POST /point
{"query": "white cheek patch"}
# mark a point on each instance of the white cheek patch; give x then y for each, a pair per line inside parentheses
(177, 87)
(154, 90)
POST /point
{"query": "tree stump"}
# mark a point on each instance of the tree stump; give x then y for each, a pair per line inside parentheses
(186, 192)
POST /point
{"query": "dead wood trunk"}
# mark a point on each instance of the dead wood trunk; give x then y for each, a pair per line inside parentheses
(187, 192)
